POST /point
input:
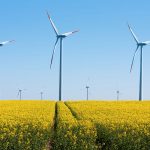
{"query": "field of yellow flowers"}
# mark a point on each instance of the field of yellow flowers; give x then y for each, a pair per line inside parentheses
(25, 125)
(81, 125)
(72, 134)
(119, 125)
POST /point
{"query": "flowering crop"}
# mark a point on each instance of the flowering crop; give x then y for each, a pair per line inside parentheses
(120, 125)
(71, 134)
(82, 125)
(25, 125)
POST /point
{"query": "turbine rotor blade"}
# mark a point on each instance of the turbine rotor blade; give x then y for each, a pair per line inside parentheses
(6, 42)
(133, 58)
(52, 23)
(70, 33)
(133, 34)
(53, 52)
(146, 42)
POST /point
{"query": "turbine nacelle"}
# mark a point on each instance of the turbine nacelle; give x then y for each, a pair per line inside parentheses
(141, 44)
(64, 35)
(61, 36)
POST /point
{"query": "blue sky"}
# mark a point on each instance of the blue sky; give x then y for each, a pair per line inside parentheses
(99, 55)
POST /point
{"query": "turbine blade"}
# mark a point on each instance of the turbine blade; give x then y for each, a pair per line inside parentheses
(146, 42)
(52, 23)
(70, 33)
(133, 34)
(12, 41)
(133, 59)
(6, 42)
(53, 53)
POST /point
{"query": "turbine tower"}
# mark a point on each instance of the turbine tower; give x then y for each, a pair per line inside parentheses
(140, 46)
(59, 37)
(118, 92)
(6, 42)
(41, 95)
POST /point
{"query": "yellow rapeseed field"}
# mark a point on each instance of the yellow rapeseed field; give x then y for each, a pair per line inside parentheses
(25, 125)
(81, 125)
(72, 134)
(120, 125)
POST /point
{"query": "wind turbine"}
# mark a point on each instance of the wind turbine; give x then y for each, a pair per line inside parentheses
(5, 42)
(20, 94)
(59, 37)
(139, 45)
(87, 92)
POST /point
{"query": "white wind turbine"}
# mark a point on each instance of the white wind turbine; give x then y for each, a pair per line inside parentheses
(59, 37)
(139, 45)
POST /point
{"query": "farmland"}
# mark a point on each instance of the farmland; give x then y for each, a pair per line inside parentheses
(74, 125)
(25, 124)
